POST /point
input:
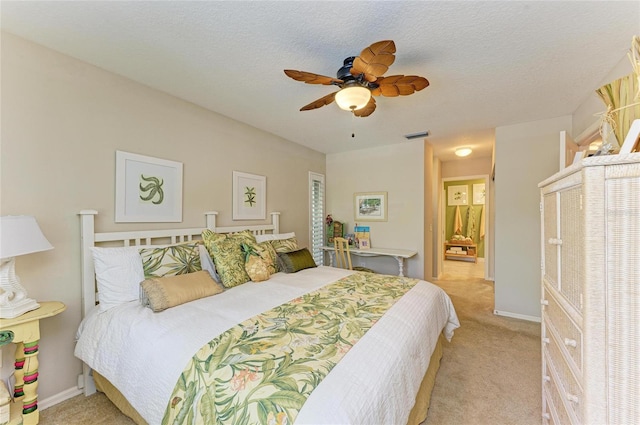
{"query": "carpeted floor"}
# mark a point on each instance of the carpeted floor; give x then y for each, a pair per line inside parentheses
(490, 372)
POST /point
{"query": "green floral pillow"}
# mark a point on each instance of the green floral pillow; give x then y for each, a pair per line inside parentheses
(268, 254)
(285, 245)
(244, 236)
(209, 238)
(171, 260)
(229, 260)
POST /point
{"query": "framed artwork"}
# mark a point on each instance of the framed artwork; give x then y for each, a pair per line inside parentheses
(249, 196)
(478, 194)
(147, 189)
(370, 206)
(457, 195)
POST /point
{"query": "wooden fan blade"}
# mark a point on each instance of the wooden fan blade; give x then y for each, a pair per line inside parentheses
(375, 60)
(311, 78)
(367, 110)
(325, 100)
(401, 85)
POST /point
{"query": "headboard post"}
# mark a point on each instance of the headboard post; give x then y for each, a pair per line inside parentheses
(87, 236)
(275, 220)
(211, 219)
(87, 231)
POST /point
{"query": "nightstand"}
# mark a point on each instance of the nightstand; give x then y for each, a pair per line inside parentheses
(26, 335)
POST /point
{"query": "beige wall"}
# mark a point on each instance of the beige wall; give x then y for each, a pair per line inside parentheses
(436, 215)
(429, 213)
(466, 167)
(526, 154)
(397, 170)
(63, 120)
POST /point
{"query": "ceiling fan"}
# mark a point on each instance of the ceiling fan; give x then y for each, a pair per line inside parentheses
(361, 78)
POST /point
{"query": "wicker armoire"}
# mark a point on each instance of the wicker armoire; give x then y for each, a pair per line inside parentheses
(591, 292)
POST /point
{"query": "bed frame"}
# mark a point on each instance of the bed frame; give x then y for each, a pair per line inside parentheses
(89, 238)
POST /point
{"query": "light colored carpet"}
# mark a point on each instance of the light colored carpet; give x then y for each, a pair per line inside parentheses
(490, 372)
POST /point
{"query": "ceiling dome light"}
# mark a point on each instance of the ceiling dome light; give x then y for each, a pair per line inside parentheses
(463, 152)
(352, 98)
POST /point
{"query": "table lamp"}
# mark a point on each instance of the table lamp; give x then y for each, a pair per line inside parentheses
(19, 235)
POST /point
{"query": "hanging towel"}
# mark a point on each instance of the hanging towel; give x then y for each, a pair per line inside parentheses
(471, 222)
(482, 223)
(457, 222)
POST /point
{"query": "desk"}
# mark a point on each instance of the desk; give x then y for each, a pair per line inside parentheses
(398, 254)
(25, 330)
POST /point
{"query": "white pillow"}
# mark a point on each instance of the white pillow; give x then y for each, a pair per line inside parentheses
(276, 237)
(207, 262)
(118, 274)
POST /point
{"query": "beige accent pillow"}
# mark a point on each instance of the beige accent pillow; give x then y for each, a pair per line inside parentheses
(161, 293)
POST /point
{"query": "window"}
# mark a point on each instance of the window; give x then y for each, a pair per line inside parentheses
(316, 216)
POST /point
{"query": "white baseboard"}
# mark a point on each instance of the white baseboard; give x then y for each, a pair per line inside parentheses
(58, 398)
(517, 316)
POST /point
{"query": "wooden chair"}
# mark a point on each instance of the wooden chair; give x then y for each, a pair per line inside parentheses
(343, 256)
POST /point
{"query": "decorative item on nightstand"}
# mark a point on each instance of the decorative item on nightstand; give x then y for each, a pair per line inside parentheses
(19, 235)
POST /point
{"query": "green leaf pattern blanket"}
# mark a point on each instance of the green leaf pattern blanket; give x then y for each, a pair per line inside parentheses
(262, 370)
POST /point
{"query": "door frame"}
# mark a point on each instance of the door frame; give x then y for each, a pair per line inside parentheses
(442, 214)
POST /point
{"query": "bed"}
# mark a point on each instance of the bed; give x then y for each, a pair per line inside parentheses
(307, 345)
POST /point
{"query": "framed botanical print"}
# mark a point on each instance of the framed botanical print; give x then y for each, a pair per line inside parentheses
(457, 195)
(478, 194)
(249, 196)
(147, 189)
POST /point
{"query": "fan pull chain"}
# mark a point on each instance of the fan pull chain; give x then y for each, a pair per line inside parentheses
(353, 116)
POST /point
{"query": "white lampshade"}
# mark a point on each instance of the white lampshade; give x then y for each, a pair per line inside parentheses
(19, 235)
(353, 98)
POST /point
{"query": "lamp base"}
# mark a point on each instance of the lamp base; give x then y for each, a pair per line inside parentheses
(11, 309)
(13, 296)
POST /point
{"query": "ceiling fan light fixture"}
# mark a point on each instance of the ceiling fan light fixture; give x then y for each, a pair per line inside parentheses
(462, 152)
(352, 98)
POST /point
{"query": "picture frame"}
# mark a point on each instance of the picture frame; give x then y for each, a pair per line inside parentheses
(457, 195)
(370, 206)
(479, 194)
(148, 189)
(249, 196)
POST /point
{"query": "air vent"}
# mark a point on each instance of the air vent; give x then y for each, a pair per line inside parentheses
(420, 135)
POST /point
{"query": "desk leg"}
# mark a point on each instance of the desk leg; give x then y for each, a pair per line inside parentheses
(26, 373)
(400, 261)
(331, 258)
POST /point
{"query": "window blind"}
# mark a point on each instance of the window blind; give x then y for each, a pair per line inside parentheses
(316, 219)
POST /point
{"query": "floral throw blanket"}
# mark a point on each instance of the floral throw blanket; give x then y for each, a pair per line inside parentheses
(262, 370)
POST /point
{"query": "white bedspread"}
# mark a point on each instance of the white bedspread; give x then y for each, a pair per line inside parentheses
(143, 353)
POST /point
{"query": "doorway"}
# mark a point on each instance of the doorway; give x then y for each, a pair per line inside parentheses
(464, 218)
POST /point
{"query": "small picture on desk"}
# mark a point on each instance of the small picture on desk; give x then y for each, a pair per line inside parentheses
(351, 237)
(364, 244)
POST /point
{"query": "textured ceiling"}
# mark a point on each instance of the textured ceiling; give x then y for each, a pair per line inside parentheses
(489, 63)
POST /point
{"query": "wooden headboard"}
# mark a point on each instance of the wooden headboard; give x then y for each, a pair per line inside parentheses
(89, 238)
